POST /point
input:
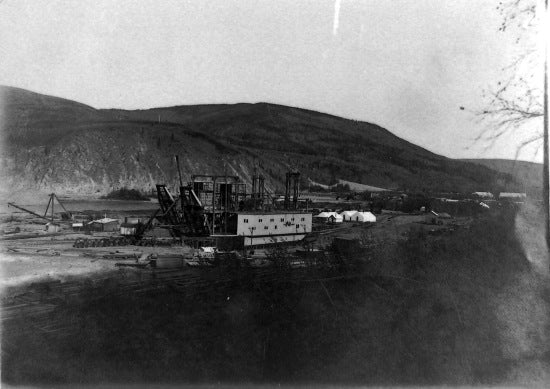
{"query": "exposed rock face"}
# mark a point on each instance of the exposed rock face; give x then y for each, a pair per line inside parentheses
(55, 144)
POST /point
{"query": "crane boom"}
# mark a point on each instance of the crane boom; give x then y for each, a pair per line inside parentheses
(28, 211)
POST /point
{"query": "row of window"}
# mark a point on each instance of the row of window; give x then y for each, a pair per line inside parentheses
(272, 220)
(266, 227)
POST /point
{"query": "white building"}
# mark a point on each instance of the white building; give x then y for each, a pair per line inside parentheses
(330, 217)
(336, 218)
(512, 196)
(484, 195)
(266, 228)
(364, 217)
(348, 215)
(325, 215)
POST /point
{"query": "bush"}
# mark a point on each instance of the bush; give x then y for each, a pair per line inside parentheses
(125, 194)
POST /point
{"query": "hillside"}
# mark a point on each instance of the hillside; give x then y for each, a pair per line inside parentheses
(528, 175)
(56, 144)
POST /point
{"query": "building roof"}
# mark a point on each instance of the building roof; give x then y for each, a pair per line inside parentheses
(348, 213)
(511, 194)
(326, 214)
(369, 216)
(483, 194)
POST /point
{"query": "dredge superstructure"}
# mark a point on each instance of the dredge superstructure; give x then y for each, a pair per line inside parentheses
(217, 210)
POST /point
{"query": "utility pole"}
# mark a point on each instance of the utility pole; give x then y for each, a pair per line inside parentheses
(546, 165)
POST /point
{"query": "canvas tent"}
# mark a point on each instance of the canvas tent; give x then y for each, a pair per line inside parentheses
(348, 215)
(364, 217)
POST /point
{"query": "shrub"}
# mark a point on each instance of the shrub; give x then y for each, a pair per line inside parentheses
(125, 194)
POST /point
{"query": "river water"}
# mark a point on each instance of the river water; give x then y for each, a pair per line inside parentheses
(79, 205)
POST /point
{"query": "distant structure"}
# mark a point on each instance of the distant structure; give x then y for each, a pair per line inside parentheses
(228, 210)
(512, 196)
(484, 195)
(271, 227)
(364, 217)
(329, 217)
(104, 225)
(348, 215)
(358, 216)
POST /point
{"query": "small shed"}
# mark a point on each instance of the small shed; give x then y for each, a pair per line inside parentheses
(364, 217)
(128, 229)
(53, 227)
(329, 217)
(324, 215)
(348, 215)
(77, 226)
(335, 218)
(104, 225)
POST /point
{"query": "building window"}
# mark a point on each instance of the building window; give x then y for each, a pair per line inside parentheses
(303, 219)
(291, 219)
(245, 220)
(282, 219)
(271, 220)
(275, 227)
(260, 220)
(265, 227)
(253, 228)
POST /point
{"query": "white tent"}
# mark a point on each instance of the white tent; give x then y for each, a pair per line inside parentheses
(348, 215)
(364, 217)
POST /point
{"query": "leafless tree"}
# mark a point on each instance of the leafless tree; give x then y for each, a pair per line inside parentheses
(515, 103)
(519, 103)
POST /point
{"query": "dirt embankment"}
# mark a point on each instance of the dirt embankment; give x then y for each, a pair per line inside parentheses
(461, 308)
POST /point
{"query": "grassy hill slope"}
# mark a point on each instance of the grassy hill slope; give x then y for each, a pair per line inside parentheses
(57, 144)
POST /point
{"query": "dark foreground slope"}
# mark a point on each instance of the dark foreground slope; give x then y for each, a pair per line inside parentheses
(429, 311)
(58, 144)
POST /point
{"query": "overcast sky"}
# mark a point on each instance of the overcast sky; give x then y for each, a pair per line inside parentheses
(405, 65)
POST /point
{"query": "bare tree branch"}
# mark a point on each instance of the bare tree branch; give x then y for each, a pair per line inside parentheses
(517, 100)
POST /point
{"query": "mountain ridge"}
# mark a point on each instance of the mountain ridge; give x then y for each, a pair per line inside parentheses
(56, 144)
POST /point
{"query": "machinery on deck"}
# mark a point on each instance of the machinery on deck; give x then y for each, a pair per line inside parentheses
(210, 210)
(182, 216)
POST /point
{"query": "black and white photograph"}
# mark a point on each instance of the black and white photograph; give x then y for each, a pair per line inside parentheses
(283, 193)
